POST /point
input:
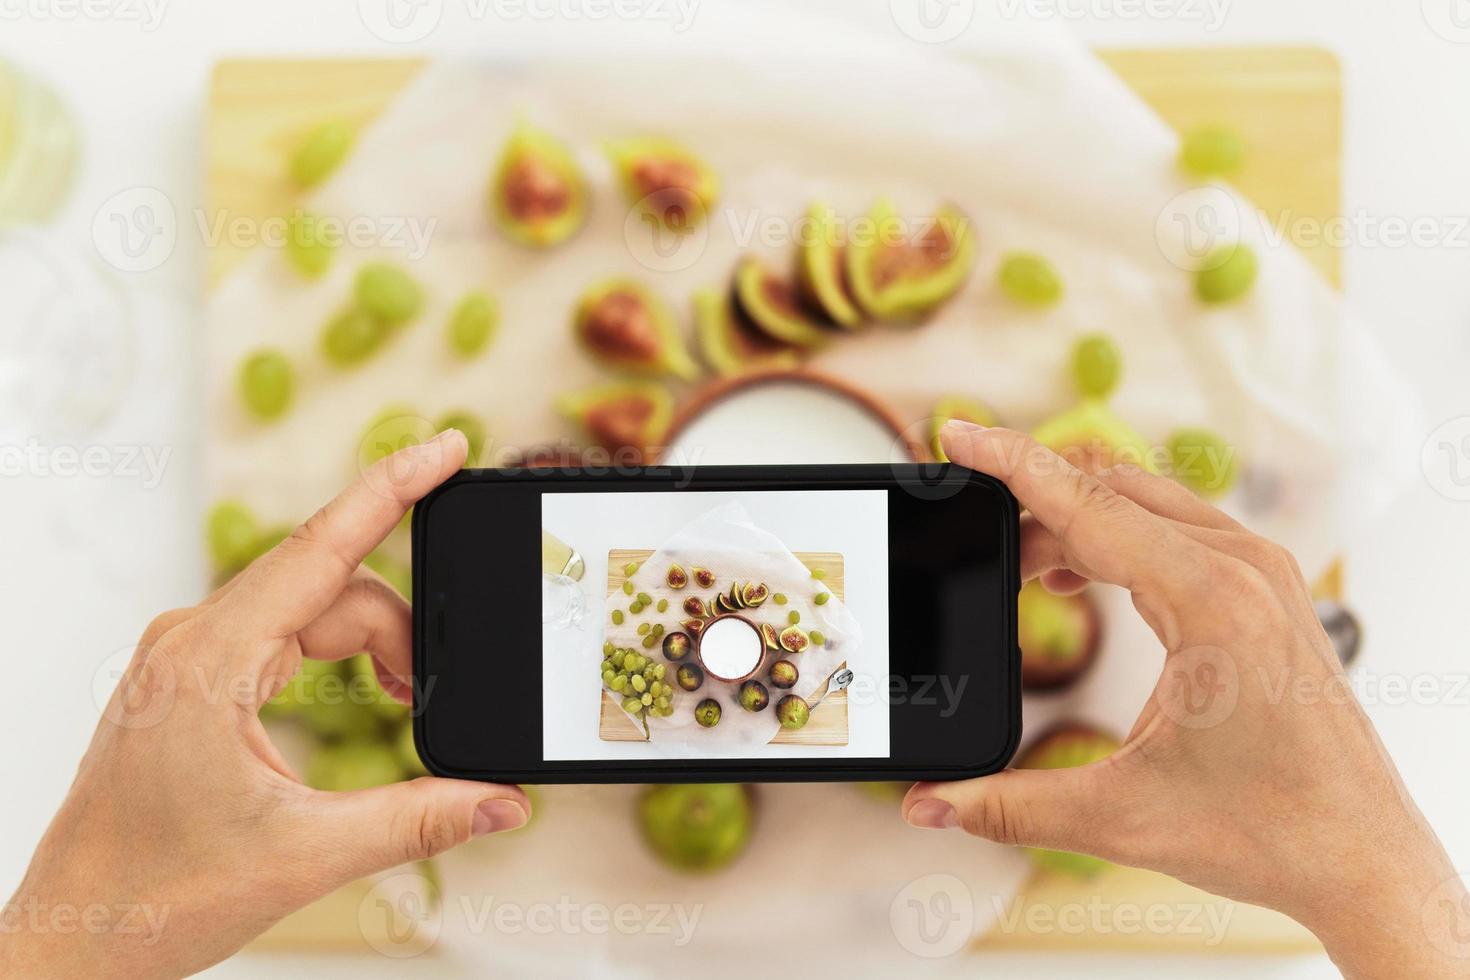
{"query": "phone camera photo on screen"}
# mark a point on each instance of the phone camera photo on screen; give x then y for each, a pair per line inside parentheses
(773, 623)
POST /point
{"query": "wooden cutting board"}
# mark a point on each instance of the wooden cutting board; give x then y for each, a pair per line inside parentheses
(828, 724)
(1285, 101)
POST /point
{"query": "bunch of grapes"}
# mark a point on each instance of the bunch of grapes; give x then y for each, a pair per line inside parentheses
(638, 680)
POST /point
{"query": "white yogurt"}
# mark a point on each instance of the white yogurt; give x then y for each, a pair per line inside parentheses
(730, 648)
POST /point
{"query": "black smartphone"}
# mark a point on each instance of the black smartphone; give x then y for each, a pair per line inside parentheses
(771, 623)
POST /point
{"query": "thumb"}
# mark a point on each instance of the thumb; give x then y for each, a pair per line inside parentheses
(1061, 809)
(374, 829)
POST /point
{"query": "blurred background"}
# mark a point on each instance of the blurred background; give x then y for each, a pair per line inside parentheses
(246, 248)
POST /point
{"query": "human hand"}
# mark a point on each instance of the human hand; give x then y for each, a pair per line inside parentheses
(1245, 791)
(185, 813)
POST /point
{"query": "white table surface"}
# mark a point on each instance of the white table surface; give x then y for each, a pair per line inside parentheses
(88, 561)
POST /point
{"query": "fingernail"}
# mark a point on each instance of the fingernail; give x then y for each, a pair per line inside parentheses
(960, 427)
(493, 816)
(933, 815)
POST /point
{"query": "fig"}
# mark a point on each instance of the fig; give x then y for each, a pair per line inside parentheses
(1058, 635)
(793, 712)
(1065, 747)
(1091, 437)
(707, 712)
(677, 577)
(722, 603)
(538, 196)
(704, 578)
(773, 640)
(692, 626)
(956, 407)
(665, 181)
(900, 275)
(689, 676)
(694, 606)
(820, 268)
(736, 597)
(696, 827)
(784, 674)
(623, 414)
(754, 696)
(730, 344)
(774, 307)
(626, 326)
(754, 594)
(677, 646)
(793, 640)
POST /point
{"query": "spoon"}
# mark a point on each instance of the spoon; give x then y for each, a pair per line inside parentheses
(837, 682)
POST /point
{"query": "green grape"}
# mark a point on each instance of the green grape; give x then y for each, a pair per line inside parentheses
(647, 699)
(658, 629)
(645, 598)
(1228, 274)
(627, 588)
(643, 629)
(323, 150)
(1096, 365)
(352, 336)
(818, 639)
(1212, 151)
(819, 573)
(231, 532)
(617, 617)
(632, 705)
(821, 598)
(607, 677)
(1203, 461)
(629, 659)
(1030, 279)
(388, 293)
(636, 607)
(793, 617)
(619, 683)
(473, 429)
(630, 568)
(267, 383)
(649, 641)
(663, 605)
(397, 427)
(779, 598)
(608, 648)
(472, 324)
(308, 249)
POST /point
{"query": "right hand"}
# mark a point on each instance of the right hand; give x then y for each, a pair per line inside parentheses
(1252, 772)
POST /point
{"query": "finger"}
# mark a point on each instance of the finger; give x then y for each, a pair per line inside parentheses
(1062, 809)
(371, 830)
(1040, 550)
(1062, 581)
(1166, 498)
(1104, 535)
(296, 581)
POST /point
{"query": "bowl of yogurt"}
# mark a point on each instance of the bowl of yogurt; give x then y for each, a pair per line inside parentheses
(730, 648)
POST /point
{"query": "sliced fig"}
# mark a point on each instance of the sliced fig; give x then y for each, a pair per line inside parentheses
(771, 637)
(694, 606)
(900, 274)
(722, 603)
(956, 407)
(622, 415)
(677, 577)
(794, 640)
(665, 181)
(821, 271)
(754, 594)
(626, 326)
(677, 646)
(775, 308)
(704, 578)
(538, 195)
(728, 342)
(692, 626)
(737, 595)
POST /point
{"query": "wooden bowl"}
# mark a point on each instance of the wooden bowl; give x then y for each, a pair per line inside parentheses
(699, 649)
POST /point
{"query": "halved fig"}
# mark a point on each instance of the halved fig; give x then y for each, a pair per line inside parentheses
(537, 195)
(722, 603)
(774, 307)
(704, 578)
(735, 596)
(625, 415)
(771, 638)
(677, 577)
(820, 268)
(694, 606)
(1092, 437)
(626, 326)
(900, 274)
(665, 180)
(794, 640)
(754, 594)
(728, 342)
(956, 407)
(692, 626)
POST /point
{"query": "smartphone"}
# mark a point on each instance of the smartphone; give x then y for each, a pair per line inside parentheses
(686, 624)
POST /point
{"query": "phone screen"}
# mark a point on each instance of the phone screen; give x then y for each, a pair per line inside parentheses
(719, 622)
